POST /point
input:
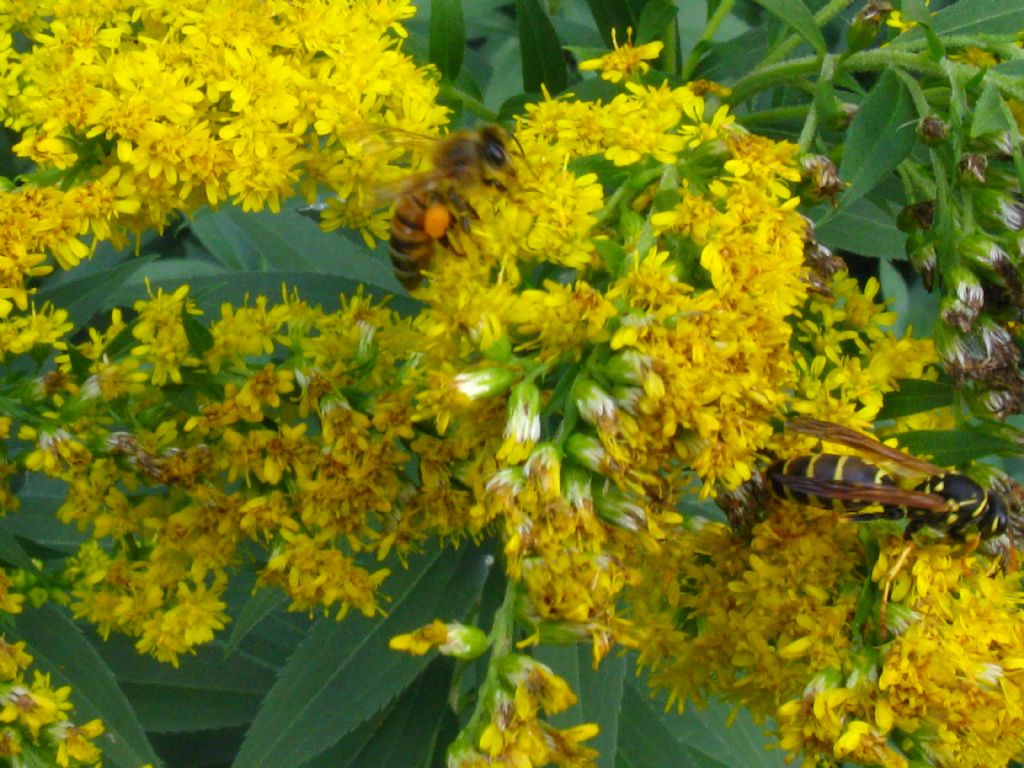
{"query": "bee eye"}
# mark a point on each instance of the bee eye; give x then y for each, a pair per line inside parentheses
(494, 154)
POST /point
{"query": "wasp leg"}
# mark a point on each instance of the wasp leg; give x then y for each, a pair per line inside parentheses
(890, 577)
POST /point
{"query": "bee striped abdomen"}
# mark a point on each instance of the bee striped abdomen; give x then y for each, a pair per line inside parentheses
(411, 246)
(794, 479)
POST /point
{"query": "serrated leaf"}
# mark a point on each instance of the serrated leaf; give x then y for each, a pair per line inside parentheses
(58, 647)
(653, 738)
(991, 114)
(951, 448)
(543, 60)
(881, 135)
(654, 20)
(255, 610)
(447, 36)
(796, 15)
(344, 673)
(176, 709)
(407, 736)
(208, 669)
(916, 396)
(612, 15)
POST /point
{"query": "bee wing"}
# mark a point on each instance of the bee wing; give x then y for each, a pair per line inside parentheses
(902, 463)
(890, 496)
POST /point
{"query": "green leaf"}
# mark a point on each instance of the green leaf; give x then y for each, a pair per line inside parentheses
(599, 691)
(210, 291)
(208, 669)
(881, 135)
(407, 736)
(969, 17)
(917, 396)
(795, 14)
(950, 448)
(543, 60)
(58, 647)
(894, 290)
(916, 10)
(991, 114)
(654, 20)
(84, 293)
(11, 552)
(256, 609)
(612, 15)
(649, 737)
(447, 36)
(200, 339)
(343, 673)
(36, 521)
(179, 709)
(863, 228)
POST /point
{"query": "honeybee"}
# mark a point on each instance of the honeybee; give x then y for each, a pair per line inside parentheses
(429, 203)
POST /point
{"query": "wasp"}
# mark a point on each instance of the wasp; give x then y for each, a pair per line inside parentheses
(860, 489)
(429, 203)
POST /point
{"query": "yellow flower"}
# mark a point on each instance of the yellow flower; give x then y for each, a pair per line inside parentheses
(624, 61)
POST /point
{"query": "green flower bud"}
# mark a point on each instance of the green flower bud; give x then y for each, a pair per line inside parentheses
(484, 383)
(588, 451)
(864, 29)
(595, 405)
(523, 423)
(972, 168)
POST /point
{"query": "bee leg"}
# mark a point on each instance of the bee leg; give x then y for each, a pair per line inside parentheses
(890, 577)
(463, 208)
(495, 184)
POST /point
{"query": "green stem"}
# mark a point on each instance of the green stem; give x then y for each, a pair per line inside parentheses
(867, 61)
(502, 639)
(719, 16)
(473, 105)
(810, 129)
(767, 117)
(630, 187)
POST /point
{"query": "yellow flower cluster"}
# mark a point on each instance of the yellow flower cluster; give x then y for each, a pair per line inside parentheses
(150, 111)
(274, 454)
(516, 736)
(785, 619)
(34, 725)
(660, 357)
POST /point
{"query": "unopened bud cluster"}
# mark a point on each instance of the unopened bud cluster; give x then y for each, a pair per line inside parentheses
(972, 252)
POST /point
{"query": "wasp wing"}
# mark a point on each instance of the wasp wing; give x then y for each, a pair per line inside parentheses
(866, 493)
(899, 462)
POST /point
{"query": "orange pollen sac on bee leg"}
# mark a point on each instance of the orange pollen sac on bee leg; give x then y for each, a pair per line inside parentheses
(436, 220)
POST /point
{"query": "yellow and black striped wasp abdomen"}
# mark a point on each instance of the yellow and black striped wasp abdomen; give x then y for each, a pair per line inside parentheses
(817, 480)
